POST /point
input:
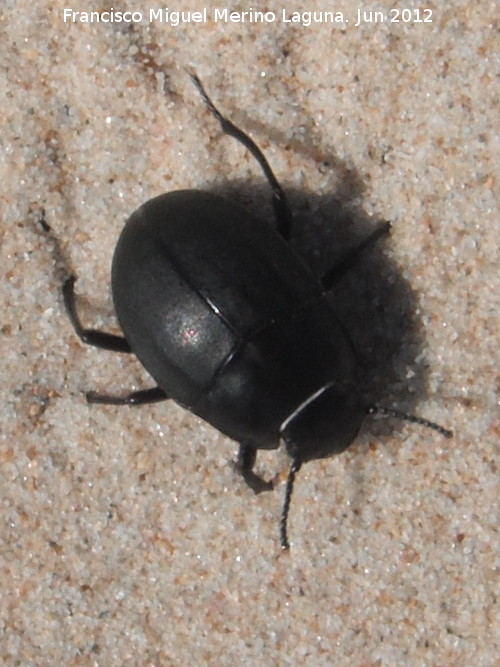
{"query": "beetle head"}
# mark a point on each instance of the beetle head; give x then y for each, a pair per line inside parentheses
(325, 424)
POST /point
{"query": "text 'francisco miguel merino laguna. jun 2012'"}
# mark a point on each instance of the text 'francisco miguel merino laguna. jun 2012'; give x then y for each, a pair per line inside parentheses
(225, 15)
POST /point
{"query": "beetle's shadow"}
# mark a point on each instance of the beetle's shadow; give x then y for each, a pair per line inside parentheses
(374, 302)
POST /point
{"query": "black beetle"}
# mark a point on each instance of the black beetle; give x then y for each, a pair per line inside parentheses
(232, 325)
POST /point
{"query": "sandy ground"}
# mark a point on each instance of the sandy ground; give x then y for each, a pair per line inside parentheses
(127, 538)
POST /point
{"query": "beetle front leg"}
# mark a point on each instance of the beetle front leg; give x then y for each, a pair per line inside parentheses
(245, 463)
(102, 339)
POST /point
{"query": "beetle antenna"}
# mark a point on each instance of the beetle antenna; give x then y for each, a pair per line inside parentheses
(294, 469)
(390, 412)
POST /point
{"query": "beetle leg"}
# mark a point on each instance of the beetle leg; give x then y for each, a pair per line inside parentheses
(142, 397)
(245, 463)
(351, 257)
(101, 339)
(280, 203)
(294, 469)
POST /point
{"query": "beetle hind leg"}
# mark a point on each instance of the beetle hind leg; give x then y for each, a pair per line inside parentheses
(101, 339)
(280, 203)
(245, 463)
